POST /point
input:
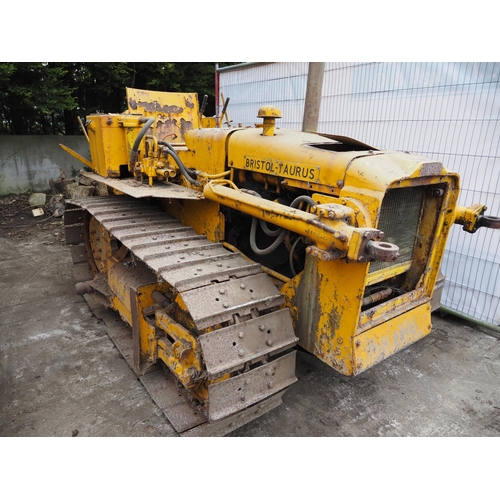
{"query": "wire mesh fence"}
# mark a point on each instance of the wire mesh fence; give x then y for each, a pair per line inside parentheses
(449, 112)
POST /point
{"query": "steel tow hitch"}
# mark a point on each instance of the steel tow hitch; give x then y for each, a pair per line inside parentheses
(489, 221)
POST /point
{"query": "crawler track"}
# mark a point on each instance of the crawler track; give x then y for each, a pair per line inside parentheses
(244, 333)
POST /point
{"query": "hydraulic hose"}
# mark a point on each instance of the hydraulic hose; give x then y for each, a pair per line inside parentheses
(135, 148)
(281, 233)
(182, 167)
(300, 199)
(269, 232)
(271, 248)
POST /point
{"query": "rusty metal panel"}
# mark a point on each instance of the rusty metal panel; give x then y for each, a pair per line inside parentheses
(375, 344)
(226, 425)
(97, 204)
(225, 349)
(175, 112)
(73, 234)
(188, 419)
(173, 402)
(138, 224)
(176, 249)
(116, 212)
(154, 236)
(72, 216)
(122, 212)
(129, 232)
(138, 190)
(180, 259)
(238, 392)
(219, 302)
(206, 273)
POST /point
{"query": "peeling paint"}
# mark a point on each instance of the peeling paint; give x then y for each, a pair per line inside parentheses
(155, 107)
(189, 103)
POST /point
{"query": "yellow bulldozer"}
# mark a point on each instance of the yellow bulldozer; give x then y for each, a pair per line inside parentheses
(224, 248)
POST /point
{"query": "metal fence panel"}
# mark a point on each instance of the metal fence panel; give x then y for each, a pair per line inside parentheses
(277, 84)
(445, 111)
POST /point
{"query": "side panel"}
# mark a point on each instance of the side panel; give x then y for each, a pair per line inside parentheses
(203, 216)
(326, 304)
(108, 148)
(378, 343)
(176, 113)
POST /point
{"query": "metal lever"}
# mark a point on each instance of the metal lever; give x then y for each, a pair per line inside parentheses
(203, 106)
(226, 102)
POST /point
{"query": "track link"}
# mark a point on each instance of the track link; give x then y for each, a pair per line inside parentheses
(233, 308)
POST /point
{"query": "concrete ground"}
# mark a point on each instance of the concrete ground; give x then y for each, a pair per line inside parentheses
(60, 374)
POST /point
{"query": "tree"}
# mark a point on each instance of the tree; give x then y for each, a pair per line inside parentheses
(33, 97)
(48, 98)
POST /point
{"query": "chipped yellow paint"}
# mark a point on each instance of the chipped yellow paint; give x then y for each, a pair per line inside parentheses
(108, 147)
(325, 304)
(385, 339)
(203, 216)
(179, 350)
(348, 187)
(468, 216)
(325, 298)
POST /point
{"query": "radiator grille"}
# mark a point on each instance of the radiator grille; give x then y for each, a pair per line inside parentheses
(399, 220)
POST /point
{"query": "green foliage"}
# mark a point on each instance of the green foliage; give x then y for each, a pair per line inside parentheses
(32, 95)
(47, 98)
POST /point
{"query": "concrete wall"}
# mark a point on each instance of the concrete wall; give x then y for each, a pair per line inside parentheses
(28, 162)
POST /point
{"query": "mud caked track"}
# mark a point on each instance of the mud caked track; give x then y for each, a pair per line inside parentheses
(213, 321)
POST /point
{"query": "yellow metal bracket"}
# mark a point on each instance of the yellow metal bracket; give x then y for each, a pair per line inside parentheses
(469, 217)
(180, 353)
